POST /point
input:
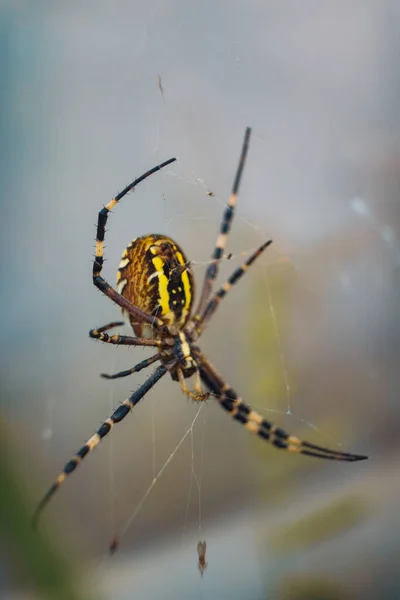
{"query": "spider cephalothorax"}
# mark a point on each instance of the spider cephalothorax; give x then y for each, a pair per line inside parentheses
(155, 290)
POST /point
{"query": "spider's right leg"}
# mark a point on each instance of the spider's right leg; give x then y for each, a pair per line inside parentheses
(212, 269)
(254, 422)
(224, 289)
(98, 280)
(117, 416)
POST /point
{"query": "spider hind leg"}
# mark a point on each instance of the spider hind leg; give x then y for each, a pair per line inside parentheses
(254, 422)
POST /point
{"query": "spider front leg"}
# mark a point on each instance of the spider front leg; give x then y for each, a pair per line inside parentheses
(98, 280)
(118, 415)
(224, 289)
(212, 269)
(254, 422)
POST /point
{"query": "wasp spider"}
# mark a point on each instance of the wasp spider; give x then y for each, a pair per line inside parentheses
(155, 290)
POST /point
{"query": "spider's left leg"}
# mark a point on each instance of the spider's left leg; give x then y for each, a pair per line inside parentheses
(98, 280)
(142, 365)
(98, 334)
(126, 340)
(224, 289)
(117, 416)
(256, 423)
(212, 269)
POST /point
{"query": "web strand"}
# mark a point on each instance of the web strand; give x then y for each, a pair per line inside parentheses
(147, 493)
(279, 345)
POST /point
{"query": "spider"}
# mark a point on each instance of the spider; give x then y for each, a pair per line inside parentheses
(155, 290)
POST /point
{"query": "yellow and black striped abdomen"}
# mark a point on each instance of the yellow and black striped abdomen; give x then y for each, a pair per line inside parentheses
(155, 275)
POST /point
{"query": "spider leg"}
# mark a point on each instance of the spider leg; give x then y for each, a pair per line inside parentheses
(212, 269)
(99, 281)
(224, 289)
(125, 340)
(142, 365)
(256, 423)
(117, 416)
(109, 326)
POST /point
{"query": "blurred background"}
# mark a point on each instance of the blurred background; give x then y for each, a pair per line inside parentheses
(93, 95)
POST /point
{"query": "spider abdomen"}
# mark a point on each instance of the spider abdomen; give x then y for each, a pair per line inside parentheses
(155, 275)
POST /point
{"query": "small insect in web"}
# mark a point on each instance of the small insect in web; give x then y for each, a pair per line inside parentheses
(155, 290)
(113, 547)
(201, 551)
(160, 87)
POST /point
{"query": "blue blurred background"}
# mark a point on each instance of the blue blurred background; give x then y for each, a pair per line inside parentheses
(311, 336)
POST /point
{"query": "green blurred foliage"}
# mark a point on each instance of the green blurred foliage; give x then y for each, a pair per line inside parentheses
(321, 525)
(310, 588)
(266, 327)
(266, 333)
(285, 479)
(32, 559)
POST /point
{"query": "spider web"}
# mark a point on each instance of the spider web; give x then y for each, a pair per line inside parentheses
(195, 484)
(336, 239)
(292, 413)
(195, 478)
(230, 259)
(191, 179)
